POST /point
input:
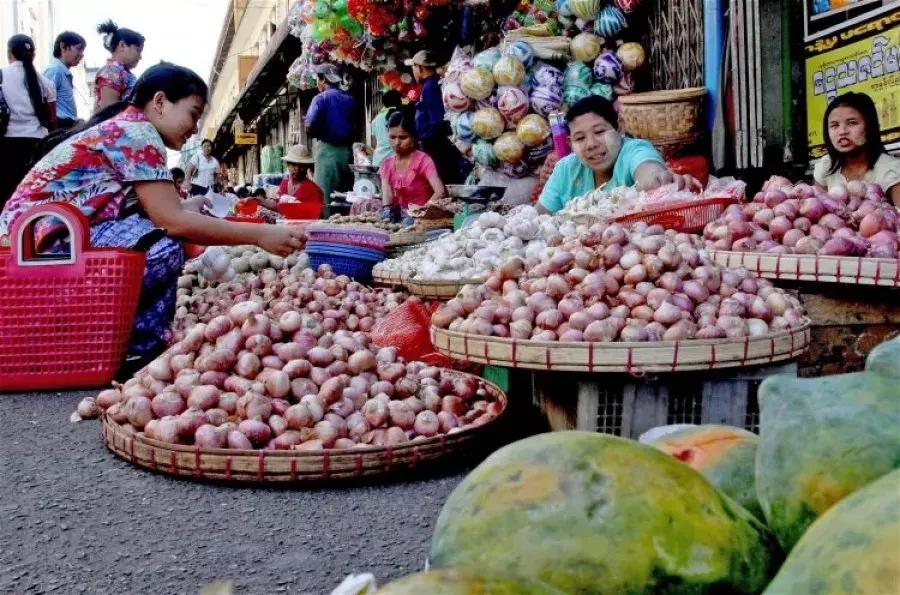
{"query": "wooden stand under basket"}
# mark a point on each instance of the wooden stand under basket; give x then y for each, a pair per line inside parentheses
(292, 466)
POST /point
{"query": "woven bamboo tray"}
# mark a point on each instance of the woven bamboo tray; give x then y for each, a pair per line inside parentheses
(630, 358)
(406, 238)
(812, 267)
(387, 279)
(437, 290)
(429, 224)
(291, 466)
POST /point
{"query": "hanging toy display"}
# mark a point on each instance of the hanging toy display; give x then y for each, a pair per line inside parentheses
(454, 98)
(627, 6)
(477, 83)
(585, 9)
(483, 154)
(533, 130)
(488, 123)
(462, 127)
(572, 94)
(610, 22)
(632, 55)
(509, 71)
(586, 47)
(608, 67)
(521, 51)
(513, 104)
(546, 100)
(604, 90)
(508, 148)
(546, 75)
(578, 74)
(486, 59)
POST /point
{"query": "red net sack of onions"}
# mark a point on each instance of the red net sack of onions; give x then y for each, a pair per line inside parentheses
(612, 284)
(851, 220)
(237, 382)
(335, 301)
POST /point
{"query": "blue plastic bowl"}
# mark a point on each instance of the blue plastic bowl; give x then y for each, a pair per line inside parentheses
(352, 261)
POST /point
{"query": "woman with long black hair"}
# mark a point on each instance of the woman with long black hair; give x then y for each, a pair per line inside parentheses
(31, 98)
(115, 82)
(855, 151)
(113, 169)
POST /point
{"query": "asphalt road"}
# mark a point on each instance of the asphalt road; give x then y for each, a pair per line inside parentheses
(74, 518)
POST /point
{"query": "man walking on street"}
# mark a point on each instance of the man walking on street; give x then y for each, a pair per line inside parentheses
(433, 130)
(329, 120)
(68, 50)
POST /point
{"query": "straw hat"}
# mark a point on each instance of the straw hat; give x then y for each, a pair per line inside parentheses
(299, 155)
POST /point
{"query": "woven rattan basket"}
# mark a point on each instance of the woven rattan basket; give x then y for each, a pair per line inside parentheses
(630, 358)
(292, 466)
(663, 115)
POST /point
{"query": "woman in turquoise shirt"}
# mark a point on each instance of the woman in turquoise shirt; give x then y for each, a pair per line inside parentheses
(603, 158)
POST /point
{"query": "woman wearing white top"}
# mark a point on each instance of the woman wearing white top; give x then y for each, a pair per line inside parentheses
(202, 170)
(855, 150)
(31, 98)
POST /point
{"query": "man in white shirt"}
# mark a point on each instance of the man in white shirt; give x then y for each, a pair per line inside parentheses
(202, 170)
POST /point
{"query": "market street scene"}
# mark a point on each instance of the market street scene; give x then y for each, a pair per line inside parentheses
(450, 297)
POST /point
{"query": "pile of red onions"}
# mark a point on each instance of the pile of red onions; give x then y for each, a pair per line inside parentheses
(851, 220)
(615, 284)
(248, 379)
(334, 301)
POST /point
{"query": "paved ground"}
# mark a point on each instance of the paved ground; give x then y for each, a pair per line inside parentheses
(74, 518)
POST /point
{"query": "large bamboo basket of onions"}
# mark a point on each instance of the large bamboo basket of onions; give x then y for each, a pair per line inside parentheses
(286, 467)
(854, 270)
(624, 357)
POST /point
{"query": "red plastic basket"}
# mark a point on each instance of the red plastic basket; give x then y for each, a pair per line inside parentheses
(245, 219)
(65, 320)
(689, 216)
(300, 210)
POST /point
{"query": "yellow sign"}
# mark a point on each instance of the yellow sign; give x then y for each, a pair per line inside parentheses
(864, 58)
(245, 138)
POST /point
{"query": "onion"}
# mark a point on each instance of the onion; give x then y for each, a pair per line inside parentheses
(210, 436)
(779, 226)
(256, 431)
(238, 440)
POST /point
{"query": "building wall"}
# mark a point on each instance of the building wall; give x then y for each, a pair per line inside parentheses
(34, 18)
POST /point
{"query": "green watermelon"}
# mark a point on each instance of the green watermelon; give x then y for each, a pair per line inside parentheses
(852, 548)
(724, 455)
(823, 438)
(594, 513)
(461, 582)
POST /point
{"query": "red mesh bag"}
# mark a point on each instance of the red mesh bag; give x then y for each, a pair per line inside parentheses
(408, 328)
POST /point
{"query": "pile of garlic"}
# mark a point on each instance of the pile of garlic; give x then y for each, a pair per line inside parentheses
(471, 253)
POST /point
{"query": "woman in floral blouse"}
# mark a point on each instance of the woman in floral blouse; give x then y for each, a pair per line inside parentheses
(115, 82)
(113, 168)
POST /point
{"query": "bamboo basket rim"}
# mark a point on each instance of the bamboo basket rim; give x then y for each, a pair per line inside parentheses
(436, 288)
(298, 466)
(663, 96)
(817, 268)
(624, 357)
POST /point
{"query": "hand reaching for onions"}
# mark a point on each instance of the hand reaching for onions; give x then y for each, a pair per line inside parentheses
(280, 239)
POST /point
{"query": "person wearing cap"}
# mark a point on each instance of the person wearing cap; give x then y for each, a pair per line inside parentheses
(433, 130)
(329, 120)
(297, 184)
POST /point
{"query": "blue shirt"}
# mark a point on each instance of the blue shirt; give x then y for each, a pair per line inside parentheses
(571, 178)
(60, 75)
(330, 117)
(430, 110)
(383, 148)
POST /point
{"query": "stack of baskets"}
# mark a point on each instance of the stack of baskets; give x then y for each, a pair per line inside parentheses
(351, 251)
(671, 120)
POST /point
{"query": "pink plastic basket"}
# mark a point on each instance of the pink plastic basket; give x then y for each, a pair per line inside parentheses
(65, 319)
(686, 217)
(372, 239)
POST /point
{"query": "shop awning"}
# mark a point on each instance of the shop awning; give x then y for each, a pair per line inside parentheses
(264, 83)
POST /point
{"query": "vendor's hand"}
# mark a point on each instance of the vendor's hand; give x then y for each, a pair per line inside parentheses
(280, 239)
(687, 182)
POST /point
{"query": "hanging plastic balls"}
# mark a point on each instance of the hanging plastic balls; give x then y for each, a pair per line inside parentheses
(521, 51)
(486, 59)
(462, 127)
(548, 76)
(508, 148)
(546, 100)
(564, 8)
(533, 130)
(483, 154)
(585, 9)
(477, 83)
(487, 123)
(632, 55)
(509, 71)
(574, 93)
(610, 22)
(586, 47)
(513, 103)
(454, 98)
(608, 67)
(604, 90)
(627, 6)
(578, 74)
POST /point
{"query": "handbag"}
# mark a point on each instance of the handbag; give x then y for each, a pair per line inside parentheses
(4, 109)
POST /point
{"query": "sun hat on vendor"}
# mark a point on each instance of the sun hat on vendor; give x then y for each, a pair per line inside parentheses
(330, 74)
(422, 58)
(299, 155)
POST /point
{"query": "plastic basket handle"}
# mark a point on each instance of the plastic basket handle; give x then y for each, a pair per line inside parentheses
(24, 251)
